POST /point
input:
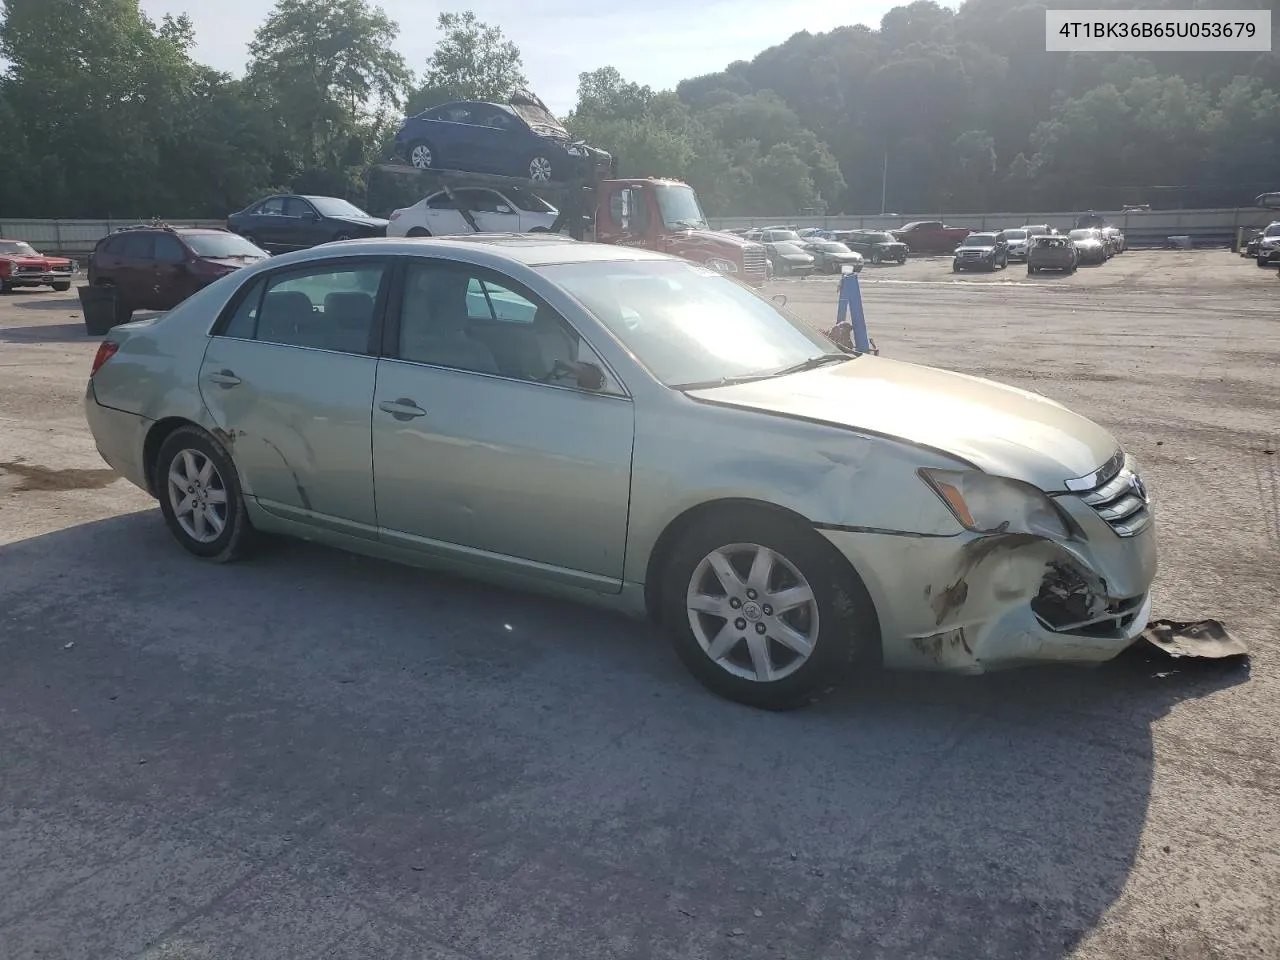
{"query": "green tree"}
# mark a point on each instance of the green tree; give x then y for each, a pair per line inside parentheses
(334, 84)
(473, 61)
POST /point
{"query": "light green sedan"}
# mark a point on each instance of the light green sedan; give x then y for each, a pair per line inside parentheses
(631, 429)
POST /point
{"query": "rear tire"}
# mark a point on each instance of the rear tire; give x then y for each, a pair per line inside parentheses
(200, 496)
(539, 168)
(123, 310)
(418, 232)
(829, 612)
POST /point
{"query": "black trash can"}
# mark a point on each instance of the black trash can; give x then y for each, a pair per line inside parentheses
(98, 304)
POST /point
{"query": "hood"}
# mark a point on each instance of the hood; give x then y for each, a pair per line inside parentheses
(235, 262)
(38, 260)
(362, 221)
(716, 239)
(1000, 429)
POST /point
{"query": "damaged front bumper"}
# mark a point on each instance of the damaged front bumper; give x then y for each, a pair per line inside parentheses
(976, 602)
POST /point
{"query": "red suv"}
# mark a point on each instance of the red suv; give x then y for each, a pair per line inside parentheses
(156, 267)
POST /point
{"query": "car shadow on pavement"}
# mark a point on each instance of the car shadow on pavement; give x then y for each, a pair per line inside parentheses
(491, 769)
(41, 300)
(45, 333)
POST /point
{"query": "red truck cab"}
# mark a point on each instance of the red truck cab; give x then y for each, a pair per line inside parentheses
(664, 215)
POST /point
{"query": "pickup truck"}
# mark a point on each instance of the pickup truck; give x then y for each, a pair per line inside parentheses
(930, 236)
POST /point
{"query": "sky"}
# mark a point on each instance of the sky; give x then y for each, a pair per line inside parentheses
(658, 42)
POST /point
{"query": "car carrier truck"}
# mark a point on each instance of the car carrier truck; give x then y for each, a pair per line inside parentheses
(651, 212)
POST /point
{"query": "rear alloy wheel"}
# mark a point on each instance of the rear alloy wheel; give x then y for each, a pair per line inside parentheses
(875, 256)
(421, 156)
(200, 497)
(765, 612)
(540, 169)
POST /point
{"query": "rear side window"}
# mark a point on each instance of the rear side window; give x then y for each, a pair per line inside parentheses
(137, 246)
(329, 307)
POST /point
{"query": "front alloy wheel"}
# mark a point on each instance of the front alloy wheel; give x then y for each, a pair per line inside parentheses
(421, 157)
(540, 169)
(752, 612)
(764, 611)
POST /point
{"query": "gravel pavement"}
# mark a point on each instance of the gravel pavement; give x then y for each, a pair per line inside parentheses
(311, 755)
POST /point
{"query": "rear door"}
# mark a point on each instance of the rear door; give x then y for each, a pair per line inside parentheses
(133, 273)
(289, 376)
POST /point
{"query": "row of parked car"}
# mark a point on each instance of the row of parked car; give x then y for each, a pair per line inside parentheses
(1264, 245)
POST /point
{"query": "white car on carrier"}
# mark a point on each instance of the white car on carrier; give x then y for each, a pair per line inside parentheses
(510, 210)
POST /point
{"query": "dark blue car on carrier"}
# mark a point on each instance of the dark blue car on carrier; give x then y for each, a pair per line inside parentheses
(517, 139)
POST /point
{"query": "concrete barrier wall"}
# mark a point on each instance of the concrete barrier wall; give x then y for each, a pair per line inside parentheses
(1141, 228)
(76, 237)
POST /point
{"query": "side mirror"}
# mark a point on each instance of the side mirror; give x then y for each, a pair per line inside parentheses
(590, 377)
(780, 299)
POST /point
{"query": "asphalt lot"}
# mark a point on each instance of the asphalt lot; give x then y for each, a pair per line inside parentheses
(312, 755)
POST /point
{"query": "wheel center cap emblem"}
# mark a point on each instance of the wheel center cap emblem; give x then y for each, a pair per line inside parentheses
(751, 610)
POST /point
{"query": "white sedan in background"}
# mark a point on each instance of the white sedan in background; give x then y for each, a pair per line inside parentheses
(494, 211)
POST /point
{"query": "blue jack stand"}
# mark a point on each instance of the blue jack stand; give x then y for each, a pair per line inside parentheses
(851, 306)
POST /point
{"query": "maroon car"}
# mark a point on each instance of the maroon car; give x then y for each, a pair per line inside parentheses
(157, 267)
(930, 236)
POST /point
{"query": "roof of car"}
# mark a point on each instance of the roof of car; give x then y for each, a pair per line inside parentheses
(530, 249)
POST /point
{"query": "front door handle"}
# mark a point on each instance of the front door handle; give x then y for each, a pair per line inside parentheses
(402, 409)
(224, 378)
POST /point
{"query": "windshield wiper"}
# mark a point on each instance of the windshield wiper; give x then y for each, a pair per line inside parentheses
(812, 363)
(689, 223)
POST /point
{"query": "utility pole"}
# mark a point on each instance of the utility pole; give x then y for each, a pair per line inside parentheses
(884, 181)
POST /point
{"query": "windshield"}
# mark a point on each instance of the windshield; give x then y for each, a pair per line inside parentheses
(679, 206)
(16, 248)
(528, 201)
(539, 119)
(1272, 231)
(790, 249)
(834, 248)
(876, 238)
(333, 207)
(687, 324)
(219, 245)
(783, 236)
(1015, 234)
(1081, 235)
(979, 240)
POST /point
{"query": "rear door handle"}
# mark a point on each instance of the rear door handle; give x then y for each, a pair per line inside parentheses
(224, 378)
(402, 409)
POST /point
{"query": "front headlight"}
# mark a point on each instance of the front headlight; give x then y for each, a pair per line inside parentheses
(988, 504)
(576, 151)
(722, 266)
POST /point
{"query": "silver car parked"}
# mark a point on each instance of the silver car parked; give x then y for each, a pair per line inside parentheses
(632, 429)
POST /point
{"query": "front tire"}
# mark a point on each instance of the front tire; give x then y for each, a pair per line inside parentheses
(200, 497)
(540, 168)
(765, 612)
(1262, 262)
(62, 287)
(875, 257)
(422, 155)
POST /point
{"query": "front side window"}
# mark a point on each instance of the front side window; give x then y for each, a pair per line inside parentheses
(463, 317)
(295, 207)
(686, 324)
(169, 250)
(329, 307)
(679, 207)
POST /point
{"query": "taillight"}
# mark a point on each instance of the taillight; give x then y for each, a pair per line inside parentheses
(395, 215)
(106, 350)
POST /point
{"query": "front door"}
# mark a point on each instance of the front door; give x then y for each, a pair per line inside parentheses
(289, 379)
(482, 450)
(173, 279)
